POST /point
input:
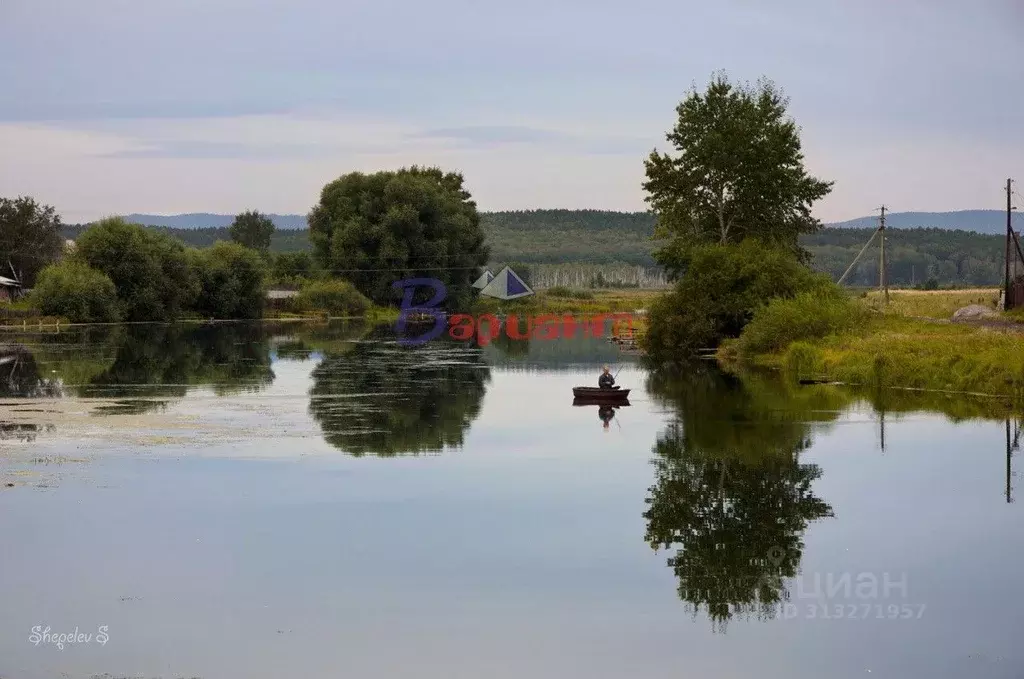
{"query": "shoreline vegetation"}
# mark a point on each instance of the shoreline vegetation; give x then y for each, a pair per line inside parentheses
(910, 344)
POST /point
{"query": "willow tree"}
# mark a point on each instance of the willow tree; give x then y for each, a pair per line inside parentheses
(738, 172)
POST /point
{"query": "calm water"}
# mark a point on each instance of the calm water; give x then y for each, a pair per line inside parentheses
(295, 501)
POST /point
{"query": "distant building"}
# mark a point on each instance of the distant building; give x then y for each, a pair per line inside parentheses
(9, 288)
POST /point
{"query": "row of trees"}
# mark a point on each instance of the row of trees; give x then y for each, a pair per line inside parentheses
(119, 271)
(369, 229)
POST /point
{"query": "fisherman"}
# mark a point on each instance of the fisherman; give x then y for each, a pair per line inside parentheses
(606, 381)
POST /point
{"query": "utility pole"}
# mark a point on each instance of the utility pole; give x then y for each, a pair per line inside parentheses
(1009, 231)
(883, 284)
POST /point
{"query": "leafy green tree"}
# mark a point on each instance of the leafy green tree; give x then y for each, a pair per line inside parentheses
(722, 288)
(293, 267)
(74, 291)
(153, 274)
(739, 172)
(30, 238)
(415, 222)
(233, 280)
(252, 229)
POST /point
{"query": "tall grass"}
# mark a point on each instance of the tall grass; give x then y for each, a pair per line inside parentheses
(808, 315)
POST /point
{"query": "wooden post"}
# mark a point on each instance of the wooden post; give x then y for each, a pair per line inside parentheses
(1006, 276)
(883, 283)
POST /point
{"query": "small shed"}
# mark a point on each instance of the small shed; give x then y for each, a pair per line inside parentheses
(9, 288)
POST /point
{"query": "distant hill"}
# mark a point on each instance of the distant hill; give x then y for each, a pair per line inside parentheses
(206, 220)
(980, 221)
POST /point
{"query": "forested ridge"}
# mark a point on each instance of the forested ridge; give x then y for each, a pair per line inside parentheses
(604, 237)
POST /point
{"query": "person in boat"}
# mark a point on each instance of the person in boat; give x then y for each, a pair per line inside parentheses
(606, 381)
(606, 413)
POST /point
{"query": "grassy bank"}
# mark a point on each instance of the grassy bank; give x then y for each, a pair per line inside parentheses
(905, 345)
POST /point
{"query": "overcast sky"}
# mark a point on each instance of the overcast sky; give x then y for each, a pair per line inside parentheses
(166, 106)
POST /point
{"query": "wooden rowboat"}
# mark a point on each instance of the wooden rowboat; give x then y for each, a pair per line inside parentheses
(597, 394)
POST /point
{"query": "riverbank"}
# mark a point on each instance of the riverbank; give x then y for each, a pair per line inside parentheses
(910, 344)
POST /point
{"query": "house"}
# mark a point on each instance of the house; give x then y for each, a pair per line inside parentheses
(9, 288)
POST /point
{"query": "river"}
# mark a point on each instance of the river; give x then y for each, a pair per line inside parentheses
(275, 500)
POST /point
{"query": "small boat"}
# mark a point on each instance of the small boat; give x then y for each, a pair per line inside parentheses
(599, 395)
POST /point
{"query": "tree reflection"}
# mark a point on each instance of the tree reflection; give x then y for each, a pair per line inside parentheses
(731, 495)
(165, 360)
(384, 399)
(20, 376)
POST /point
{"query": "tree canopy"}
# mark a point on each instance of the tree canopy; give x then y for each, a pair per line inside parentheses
(153, 274)
(739, 171)
(233, 279)
(252, 229)
(375, 229)
(30, 238)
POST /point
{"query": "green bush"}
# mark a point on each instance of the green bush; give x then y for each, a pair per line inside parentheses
(808, 315)
(232, 281)
(333, 296)
(74, 291)
(718, 294)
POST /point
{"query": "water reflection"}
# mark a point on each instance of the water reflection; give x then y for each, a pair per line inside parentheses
(165, 360)
(380, 398)
(731, 495)
(20, 376)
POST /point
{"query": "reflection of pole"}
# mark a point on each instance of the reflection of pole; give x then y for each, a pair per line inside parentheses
(1009, 467)
(881, 422)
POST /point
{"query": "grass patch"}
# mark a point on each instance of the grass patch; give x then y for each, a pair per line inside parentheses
(939, 304)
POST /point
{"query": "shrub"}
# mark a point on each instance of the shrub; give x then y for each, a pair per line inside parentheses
(334, 296)
(232, 281)
(808, 315)
(722, 287)
(74, 291)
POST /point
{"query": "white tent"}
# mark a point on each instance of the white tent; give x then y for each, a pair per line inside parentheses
(485, 278)
(507, 285)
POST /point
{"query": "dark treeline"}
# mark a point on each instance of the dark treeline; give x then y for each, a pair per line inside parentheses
(914, 255)
(555, 236)
(280, 240)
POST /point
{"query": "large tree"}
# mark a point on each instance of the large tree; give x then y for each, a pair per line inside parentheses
(739, 171)
(29, 238)
(252, 229)
(376, 229)
(155, 278)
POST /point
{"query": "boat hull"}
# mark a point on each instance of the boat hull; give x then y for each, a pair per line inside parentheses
(598, 395)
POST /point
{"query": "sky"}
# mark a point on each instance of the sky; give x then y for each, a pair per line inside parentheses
(169, 106)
